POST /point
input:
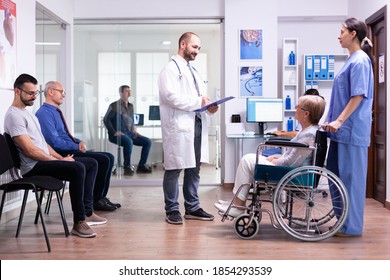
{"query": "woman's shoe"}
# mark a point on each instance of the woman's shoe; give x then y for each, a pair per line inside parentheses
(234, 212)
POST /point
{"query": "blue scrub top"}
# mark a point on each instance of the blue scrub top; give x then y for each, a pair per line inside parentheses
(355, 78)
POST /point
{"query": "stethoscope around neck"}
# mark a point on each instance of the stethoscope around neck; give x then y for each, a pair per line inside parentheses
(181, 75)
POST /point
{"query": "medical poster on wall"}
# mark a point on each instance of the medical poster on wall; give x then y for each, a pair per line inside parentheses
(251, 44)
(7, 44)
(251, 81)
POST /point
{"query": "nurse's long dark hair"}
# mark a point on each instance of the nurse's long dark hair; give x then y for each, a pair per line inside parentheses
(353, 24)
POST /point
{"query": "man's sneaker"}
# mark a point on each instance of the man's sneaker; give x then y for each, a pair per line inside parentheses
(234, 212)
(94, 220)
(199, 214)
(174, 217)
(82, 229)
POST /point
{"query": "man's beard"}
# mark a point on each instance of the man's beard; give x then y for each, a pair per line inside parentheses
(189, 56)
(27, 102)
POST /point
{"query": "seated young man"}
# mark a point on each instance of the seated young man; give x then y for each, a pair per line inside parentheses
(309, 111)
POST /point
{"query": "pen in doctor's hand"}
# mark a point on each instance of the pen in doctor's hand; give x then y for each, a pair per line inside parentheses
(205, 100)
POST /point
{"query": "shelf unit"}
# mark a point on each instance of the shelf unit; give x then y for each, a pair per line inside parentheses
(290, 77)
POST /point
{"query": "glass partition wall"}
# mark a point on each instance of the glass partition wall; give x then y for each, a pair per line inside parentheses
(110, 55)
(50, 49)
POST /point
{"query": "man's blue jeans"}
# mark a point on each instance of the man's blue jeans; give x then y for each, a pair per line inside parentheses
(127, 142)
(190, 182)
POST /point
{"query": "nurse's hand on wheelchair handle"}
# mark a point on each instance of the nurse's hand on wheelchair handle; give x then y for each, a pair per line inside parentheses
(331, 127)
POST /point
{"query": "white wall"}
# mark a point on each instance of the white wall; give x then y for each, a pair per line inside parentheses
(254, 15)
(312, 8)
(152, 9)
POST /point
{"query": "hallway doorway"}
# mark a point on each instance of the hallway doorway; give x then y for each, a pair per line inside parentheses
(376, 177)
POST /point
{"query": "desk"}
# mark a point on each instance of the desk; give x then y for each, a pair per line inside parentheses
(239, 143)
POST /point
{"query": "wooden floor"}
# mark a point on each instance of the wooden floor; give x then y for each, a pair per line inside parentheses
(138, 231)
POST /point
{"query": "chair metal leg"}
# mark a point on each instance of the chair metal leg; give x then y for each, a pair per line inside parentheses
(43, 222)
(23, 208)
(48, 202)
(2, 203)
(40, 203)
(50, 197)
(62, 212)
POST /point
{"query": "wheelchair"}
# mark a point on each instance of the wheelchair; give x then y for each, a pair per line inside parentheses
(303, 198)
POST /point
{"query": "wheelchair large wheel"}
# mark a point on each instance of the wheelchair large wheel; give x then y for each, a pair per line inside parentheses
(303, 207)
(246, 226)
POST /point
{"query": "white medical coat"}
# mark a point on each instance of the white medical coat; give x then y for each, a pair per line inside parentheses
(178, 100)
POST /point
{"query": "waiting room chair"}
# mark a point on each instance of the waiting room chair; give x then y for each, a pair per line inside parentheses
(11, 162)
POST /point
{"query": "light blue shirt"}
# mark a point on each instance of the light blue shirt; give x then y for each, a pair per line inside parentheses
(354, 79)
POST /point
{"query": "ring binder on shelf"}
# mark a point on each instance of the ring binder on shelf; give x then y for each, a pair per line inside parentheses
(324, 68)
(309, 67)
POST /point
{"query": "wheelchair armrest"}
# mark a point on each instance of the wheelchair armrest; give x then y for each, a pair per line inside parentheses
(285, 143)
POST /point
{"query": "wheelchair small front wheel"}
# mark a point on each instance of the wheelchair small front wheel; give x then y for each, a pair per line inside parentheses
(246, 226)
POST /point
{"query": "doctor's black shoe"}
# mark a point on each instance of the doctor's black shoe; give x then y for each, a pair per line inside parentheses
(143, 169)
(128, 171)
(174, 217)
(199, 214)
(102, 205)
(116, 205)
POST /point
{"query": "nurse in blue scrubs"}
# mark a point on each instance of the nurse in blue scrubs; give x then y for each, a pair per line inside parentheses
(349, 122)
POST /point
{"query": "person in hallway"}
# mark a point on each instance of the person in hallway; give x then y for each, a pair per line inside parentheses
(284, 133)
(350, 120)
(39, 158)
(309, 111)
(184, 132)
(58, 136)
(119, 121)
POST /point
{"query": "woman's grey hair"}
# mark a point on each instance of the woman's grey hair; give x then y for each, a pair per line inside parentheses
(315, 105)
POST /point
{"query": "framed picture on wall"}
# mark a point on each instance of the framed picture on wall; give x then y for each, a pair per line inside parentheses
(251, 44)
(7, 44)
(251, 81)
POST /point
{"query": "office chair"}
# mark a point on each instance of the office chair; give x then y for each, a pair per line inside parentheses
(34, 183)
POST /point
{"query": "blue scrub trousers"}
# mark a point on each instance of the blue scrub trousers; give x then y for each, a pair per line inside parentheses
(190, 182)
(349, 163)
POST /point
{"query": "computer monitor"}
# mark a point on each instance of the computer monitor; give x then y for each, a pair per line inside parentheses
(138, 119)
(154, 113)
(264, 110)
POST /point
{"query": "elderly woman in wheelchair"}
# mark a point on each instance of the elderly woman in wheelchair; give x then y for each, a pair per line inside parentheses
(297, 190)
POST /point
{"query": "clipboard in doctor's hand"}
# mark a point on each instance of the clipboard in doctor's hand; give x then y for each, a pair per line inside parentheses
(215, 103)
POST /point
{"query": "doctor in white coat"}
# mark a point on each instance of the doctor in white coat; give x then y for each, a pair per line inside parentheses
(184, 132)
